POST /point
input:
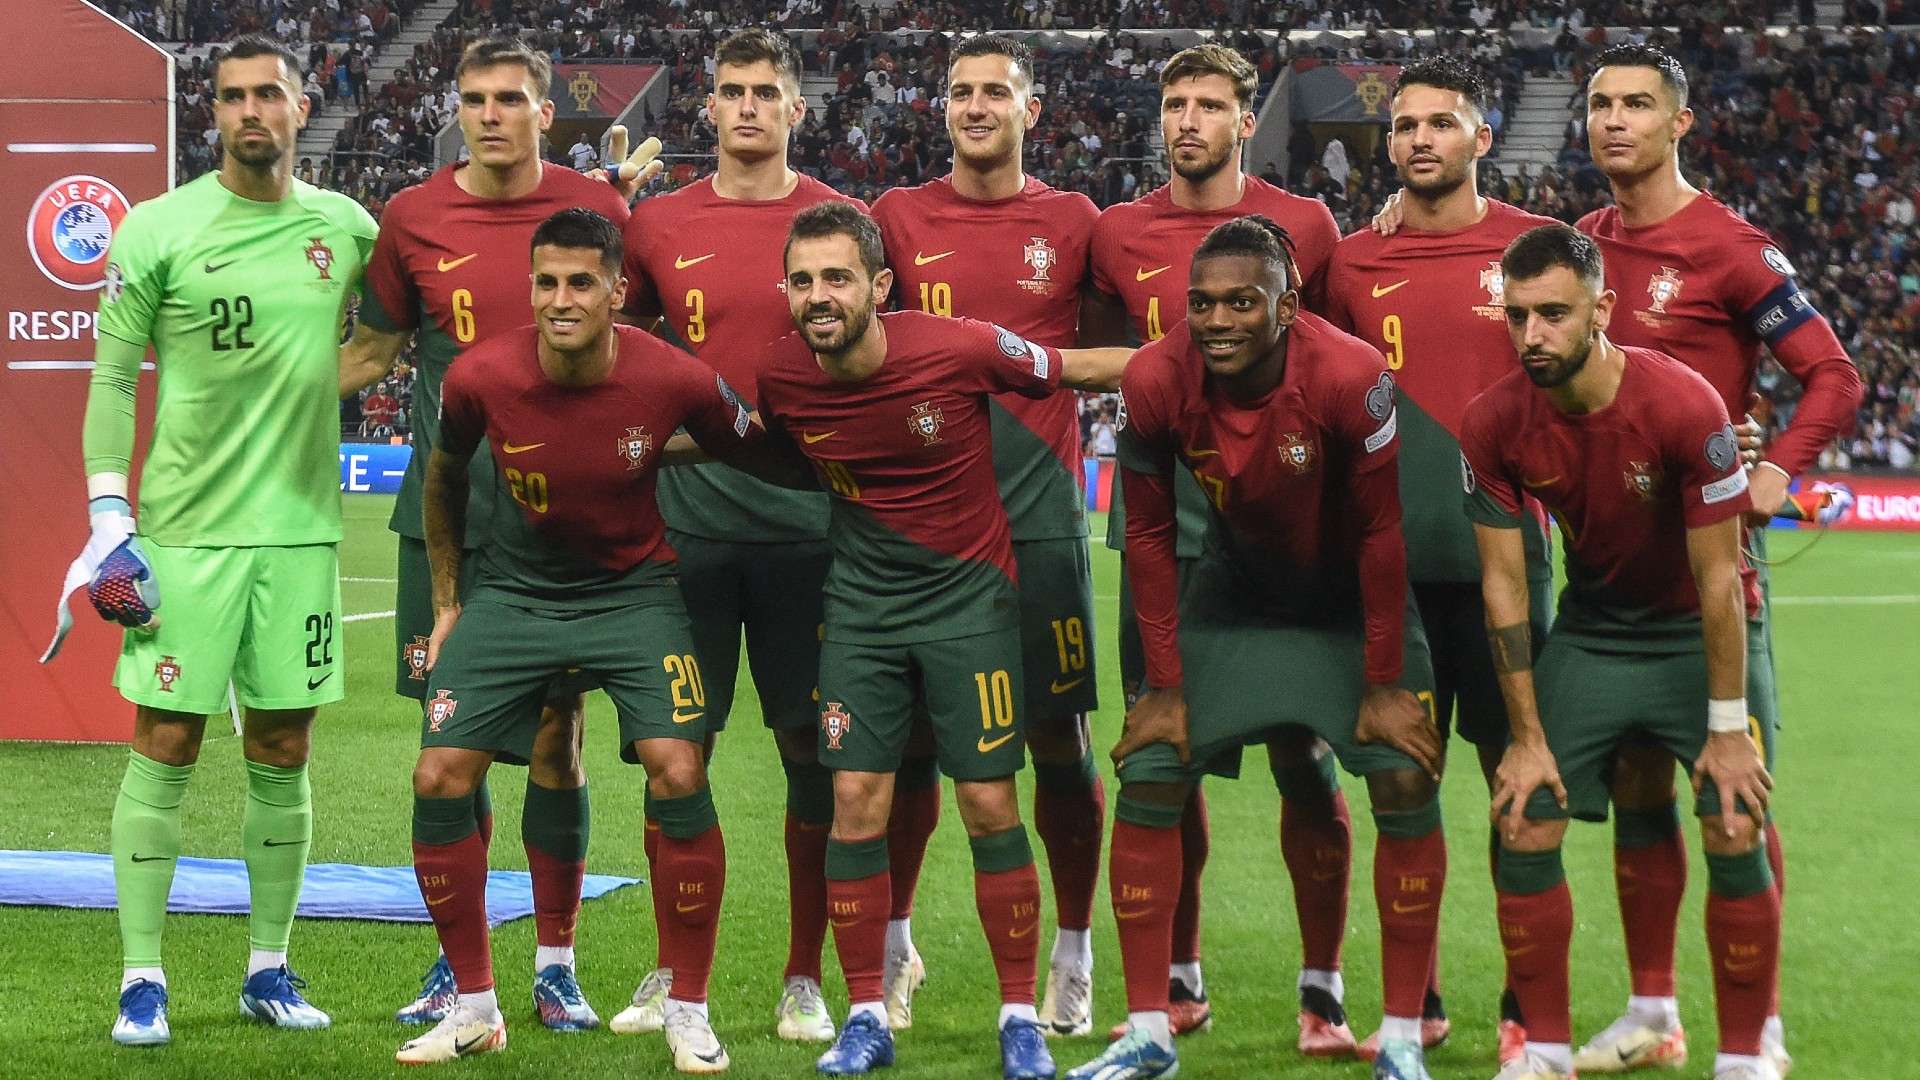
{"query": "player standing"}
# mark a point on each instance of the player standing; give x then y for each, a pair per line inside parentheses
(1296, 614)
(1633, 454)
(921, 602)
(1428, 297)
(240, 282)
(575, 412)
(450, 265)
(989, 242)
(1141, 255)
(1700, 283)
(752, 556)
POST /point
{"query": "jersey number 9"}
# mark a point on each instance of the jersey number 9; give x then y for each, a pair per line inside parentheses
(1393, 334)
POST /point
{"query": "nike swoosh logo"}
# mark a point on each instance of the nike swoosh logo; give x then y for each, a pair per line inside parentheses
(509, 448)
(1735, 967)
(922, 260)
(1123, 916)
(462, 1047)
(1020, 933)
(280, 843)
(1379, 292)
(433, 902)
(214, 268)
(445, 265)
(1203, 453)
(684, 908)
(1409, 909)
(988, 746)
(681, 262)
(1521, 951)
(1327, 875)
(1059, 687)
(314, 684)
(151, 858)
(1554, 479)
(681, 718)
(810, 439)
(1142, 273)
(843, 923)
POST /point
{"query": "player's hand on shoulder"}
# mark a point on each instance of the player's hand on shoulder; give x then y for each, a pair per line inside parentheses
(1396, 718)
(443, 620)
(635, 170)
(1159, 716)
(1732, 761)
(1387, 221)
(1525, 767)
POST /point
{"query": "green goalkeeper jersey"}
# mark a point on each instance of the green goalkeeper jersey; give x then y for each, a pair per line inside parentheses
(243, 302)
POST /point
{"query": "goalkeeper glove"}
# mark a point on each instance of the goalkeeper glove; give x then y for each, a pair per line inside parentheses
(115, 570)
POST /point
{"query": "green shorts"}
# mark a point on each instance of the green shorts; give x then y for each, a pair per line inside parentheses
(413, 622)
(1466, 690)
(268, 618)
(777, 593)
(1248, 673)
(967, 688)
(1593, 702)
(496, 668)
(1056, 628)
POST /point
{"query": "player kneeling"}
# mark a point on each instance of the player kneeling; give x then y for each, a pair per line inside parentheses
(1633, 453)
(577, 575)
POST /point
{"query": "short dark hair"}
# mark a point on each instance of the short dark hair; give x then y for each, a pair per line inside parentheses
(247, 46)
(836, 218)
(1212, 59)
(752, 45)
(1005, 45)
(1646, 56)
(1256, 236)
(507, 49)
(1449, 73)
(578, 227)
(1539, 250)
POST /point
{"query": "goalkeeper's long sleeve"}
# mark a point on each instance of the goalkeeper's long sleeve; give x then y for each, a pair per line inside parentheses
(106, 440)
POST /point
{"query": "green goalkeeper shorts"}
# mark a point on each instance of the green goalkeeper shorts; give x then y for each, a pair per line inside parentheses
(266, 618)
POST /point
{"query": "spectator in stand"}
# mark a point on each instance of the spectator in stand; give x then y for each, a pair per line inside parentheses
(380, 411)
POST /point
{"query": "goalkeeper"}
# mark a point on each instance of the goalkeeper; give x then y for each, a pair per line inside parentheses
(239, 281)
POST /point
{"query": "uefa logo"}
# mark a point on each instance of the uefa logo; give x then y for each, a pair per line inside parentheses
(70, 227)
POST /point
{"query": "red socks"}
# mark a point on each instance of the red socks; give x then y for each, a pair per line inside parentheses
(1318, 849)
(1144, 878)
(453, 882)
(1409, 877)
(1537, 929)
(1743, 936)
(857, 909)
(1070, 823)
(1194, 846)
(915, 814)
(1651, 880)
(1009, 905)
(693, 876)
(806, 896)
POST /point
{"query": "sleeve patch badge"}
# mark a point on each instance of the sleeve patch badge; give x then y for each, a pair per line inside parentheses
(1721, 490)
(1469, 482)
(1722, 451)
(1380, 397)
(1777, 262)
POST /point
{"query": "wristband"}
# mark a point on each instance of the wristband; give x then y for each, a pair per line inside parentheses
(1726, 715)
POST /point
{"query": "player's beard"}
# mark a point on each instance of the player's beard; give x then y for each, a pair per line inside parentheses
(1562, 369)
(1452, 176)
(1208, 167)
(257, 155)
(853, 327)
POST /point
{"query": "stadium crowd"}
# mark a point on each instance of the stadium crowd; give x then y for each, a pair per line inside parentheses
(1810, 138)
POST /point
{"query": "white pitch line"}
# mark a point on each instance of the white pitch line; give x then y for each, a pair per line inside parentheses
(365, 615)
(1876, 600)
(371, 580)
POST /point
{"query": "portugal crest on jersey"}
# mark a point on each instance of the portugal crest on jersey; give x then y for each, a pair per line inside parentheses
(1040, 255)
(321, 256)
(1641, 482)
(414, 654)
(440, 709)
(167, 671)
(926, 421)
(835, 723)
(633, 446)
(1494, 280)
(1664, 287)
(1296, 451)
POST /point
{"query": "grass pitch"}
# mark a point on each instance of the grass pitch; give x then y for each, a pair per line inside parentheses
(1847, 624)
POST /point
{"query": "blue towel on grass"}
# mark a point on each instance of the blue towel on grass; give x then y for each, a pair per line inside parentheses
(84, 879)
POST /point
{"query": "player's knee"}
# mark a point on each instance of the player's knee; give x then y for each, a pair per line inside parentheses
(1152, 805)
(1738, 835)
(1057, 740)
(168, 737)
(279, 737)
(1534, 836)
(1398, 791)
(440, 774)
(987, 806)
(1303, 774)
(677, 775)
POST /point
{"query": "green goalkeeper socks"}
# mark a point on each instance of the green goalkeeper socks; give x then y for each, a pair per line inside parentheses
(146, 846)
(275, 832)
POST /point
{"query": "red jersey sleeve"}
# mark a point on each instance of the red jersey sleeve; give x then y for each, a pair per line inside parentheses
(1764, 285)
(1492, 497)
(1703, 453)
(1146, 481)
(1313, 250)
(996, 360)
(643, 296)
(463, 416)
(1100, 253)
(1362, 412)
(388, 300)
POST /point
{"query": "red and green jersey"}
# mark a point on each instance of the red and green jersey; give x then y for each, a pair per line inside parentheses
(1707, 288)
(1020, 263)
(576, 525)
(452, 266)
(1625, 482)
(1303, 493)
(1433, 303)
(715, 268)
(1143, 254)
(921, 548)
